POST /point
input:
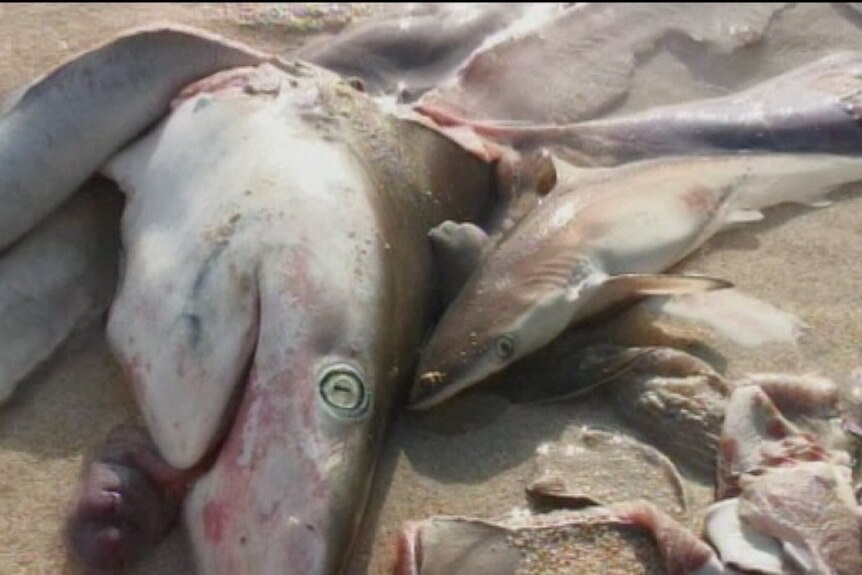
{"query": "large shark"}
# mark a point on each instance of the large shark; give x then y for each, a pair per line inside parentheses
(275, 283)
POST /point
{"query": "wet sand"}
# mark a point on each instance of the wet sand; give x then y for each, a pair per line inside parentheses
(475, 455)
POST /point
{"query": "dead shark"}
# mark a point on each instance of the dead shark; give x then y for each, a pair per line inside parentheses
(814, 108)
(274, 288)
(580, 64)
(405, 55)
(596, 240)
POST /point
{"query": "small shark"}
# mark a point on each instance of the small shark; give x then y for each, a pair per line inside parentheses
(601, 237)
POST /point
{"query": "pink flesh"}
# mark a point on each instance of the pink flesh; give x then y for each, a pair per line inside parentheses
(811, 507)
(682, 551)
(244, 512)
(754, 431)
(409, 558)
(460, 132)
(790, 487)
(290, 479)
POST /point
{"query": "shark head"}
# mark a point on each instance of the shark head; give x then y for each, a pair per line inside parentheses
(510, 308)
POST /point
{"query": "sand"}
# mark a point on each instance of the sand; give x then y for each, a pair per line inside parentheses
(474, 456)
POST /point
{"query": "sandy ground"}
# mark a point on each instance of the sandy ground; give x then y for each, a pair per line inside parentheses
(474, 456)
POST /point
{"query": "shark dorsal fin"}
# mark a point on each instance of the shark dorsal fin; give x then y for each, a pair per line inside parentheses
(457, 250)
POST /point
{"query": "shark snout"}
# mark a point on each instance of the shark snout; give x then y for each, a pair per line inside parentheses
(425, 387)
(434, 386)
(431, 378)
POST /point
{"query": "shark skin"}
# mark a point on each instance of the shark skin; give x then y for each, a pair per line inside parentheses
(246, 338)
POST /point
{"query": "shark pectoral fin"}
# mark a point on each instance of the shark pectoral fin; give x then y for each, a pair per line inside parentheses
(743, 217)
(665, 284)
(620, 288)
(457, 249)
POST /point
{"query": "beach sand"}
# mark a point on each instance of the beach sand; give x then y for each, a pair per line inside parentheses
(473, 456)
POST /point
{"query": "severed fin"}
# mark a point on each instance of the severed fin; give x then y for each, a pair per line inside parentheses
(682, 551)
(595, 467)
(622, 288)
(736, 316)
(819, 204)
(457, 249)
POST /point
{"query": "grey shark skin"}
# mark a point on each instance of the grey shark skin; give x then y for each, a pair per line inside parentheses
(408, 54)
(278, 269)
(55, 279)
(815, 108)
(580, 63)
(586, 246)
(65, 125)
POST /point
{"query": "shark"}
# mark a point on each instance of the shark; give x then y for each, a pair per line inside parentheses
(600, 238)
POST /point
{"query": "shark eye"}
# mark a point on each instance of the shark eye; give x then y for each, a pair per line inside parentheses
(343, 392)
(504, 347)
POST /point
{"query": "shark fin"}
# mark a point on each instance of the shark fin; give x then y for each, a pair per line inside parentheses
(621, 288)
(737, 317)
(457, 250)
(663, 284)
